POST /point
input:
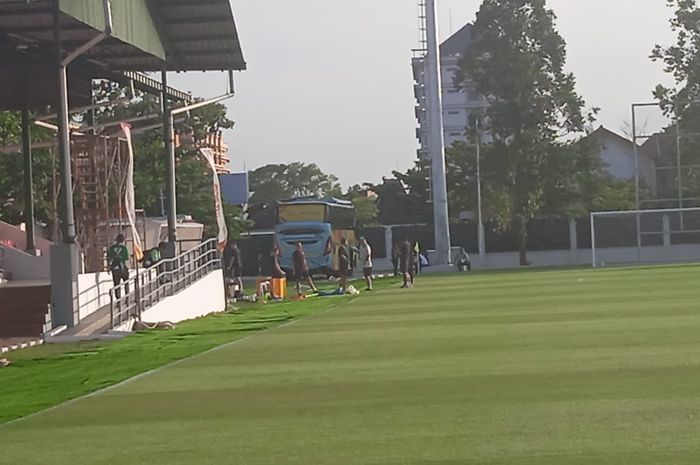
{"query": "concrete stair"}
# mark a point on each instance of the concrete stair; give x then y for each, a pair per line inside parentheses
(95, 324)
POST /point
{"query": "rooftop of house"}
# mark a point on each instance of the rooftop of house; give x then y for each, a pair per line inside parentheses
(458, 42)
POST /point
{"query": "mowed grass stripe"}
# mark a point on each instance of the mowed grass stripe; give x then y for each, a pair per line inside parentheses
(547, 367)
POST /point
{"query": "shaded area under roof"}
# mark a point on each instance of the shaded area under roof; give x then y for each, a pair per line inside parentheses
(31, 79)
(192, 35)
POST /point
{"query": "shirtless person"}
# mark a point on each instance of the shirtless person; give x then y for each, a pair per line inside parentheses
(301, 269)
(406, 263)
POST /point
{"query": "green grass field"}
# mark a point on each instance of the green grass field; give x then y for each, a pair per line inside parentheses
(541, 367)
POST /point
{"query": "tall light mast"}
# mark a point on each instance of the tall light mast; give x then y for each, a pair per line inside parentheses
(436, 137)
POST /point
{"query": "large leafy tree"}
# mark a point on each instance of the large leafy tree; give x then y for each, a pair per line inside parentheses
(194, 186)
(682, 100)
(12, 172)
(516, 62)
(271, 183)
(366, 210)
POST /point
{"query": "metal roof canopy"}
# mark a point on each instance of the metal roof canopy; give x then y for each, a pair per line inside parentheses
(195, 35)
(148, 35)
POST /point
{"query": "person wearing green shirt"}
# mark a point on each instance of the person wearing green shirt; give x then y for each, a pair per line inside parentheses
(152, 256)
(117, 257)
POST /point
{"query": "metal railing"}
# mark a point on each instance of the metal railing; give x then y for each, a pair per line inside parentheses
(168, 277)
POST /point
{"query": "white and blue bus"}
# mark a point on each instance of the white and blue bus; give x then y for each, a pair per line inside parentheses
(319, 224)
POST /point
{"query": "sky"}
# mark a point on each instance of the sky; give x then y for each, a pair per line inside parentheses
(329, 81)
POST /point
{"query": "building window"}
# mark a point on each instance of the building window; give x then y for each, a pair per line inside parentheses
(455, 112)
(455, 134)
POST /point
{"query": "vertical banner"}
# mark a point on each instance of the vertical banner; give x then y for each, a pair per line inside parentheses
(129, 197)
(218, 204)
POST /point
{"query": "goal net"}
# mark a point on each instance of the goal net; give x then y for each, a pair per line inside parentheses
(645, 236)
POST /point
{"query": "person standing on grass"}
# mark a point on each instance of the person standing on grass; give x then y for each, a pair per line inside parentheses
(395, 255)
(344, 263)
(406, 263)
(464, 262)
(118, 257)
(416, 258)
(234, 265)
(301, 269)
(366, 261)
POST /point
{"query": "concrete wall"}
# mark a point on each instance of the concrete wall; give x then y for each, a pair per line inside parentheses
(607, 256)
(19, 238)
(202, 298)
(20, 266)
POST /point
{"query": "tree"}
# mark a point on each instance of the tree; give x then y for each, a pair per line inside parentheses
(403, 198)
(682, 101)
(272, 183)
(516, 62)
(194, 185)
(12, 172)
(366, 210)
(681, 59)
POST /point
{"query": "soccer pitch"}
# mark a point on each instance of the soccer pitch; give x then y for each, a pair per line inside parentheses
(540, 367)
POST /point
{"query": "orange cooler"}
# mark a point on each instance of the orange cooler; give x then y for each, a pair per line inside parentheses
(279, 288)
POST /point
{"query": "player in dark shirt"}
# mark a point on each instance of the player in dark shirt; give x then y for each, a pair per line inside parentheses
(344, 263)
(301, 269)
(234, 265)
(406, 262)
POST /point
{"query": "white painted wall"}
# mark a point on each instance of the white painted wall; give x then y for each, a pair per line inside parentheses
(682, 253)
(17, 235)
(204, 297)
(611, 256)
(93, 292)
(618, 161)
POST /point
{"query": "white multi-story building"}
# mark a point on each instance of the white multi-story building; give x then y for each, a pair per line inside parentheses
(457, 103)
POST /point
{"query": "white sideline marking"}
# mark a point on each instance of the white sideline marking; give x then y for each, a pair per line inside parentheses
(22, 345)
(157, 369)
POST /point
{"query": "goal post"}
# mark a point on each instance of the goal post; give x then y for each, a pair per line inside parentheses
(645, 236)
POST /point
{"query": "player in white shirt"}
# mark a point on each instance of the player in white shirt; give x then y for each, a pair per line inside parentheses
(366, 261)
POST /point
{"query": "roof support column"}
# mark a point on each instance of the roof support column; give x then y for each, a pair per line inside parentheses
(64, 257)
(28, 175)
(169, 139)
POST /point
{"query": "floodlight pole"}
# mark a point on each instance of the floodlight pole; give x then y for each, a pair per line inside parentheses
(480, 232)
(437, 138)
(636, 181)
(680, 169)
(593, 251)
